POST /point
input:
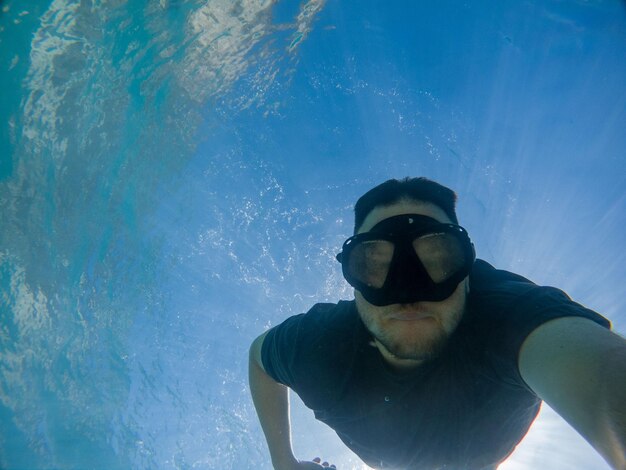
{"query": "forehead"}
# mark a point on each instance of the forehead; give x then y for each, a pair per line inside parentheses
(405, 206)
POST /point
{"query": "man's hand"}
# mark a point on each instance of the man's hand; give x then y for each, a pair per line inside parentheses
(316, 464)
(272, 405)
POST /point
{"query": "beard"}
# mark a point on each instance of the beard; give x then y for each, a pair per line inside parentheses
(418, 340)
(421, 340)
(423, 346)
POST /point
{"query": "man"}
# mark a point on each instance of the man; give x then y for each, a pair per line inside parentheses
(441, 361)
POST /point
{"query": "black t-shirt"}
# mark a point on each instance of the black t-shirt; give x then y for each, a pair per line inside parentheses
(466, 409)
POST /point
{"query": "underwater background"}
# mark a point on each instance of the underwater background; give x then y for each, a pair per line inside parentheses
(177, 176)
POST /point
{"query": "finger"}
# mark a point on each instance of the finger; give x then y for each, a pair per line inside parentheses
(317, 460)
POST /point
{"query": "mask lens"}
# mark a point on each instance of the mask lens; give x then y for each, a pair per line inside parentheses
(369, 262)
(441, 255)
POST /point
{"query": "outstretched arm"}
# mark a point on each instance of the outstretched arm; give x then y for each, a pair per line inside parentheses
(271, 400)
(579, 369)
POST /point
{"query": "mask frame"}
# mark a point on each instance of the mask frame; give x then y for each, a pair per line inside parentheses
(407, 280)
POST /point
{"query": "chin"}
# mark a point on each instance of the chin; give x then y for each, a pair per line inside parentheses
(417, 340)
(416, 331)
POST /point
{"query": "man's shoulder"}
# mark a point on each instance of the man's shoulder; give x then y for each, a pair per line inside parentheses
(500, 290)
(485, 278)
(312, 352)
(322, 323)
(504, 297)
(332, 314)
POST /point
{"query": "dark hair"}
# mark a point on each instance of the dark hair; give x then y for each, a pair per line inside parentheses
(393, 190)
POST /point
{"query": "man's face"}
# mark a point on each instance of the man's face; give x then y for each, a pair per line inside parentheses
(411, 332)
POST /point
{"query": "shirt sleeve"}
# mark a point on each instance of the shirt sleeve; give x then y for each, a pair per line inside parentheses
(514, 307)
(312, 353)
(280, 349)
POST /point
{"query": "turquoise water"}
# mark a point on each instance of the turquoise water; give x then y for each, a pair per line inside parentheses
(175, 177)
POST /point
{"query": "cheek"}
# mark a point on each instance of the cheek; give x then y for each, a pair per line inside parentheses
(365, 309)
(456, 302)
(460, 293)
(361, 303)
(462, 290)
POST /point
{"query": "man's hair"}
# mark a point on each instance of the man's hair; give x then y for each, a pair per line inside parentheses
(393, 190)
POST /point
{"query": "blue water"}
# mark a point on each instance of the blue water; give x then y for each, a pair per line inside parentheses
(175, 177)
